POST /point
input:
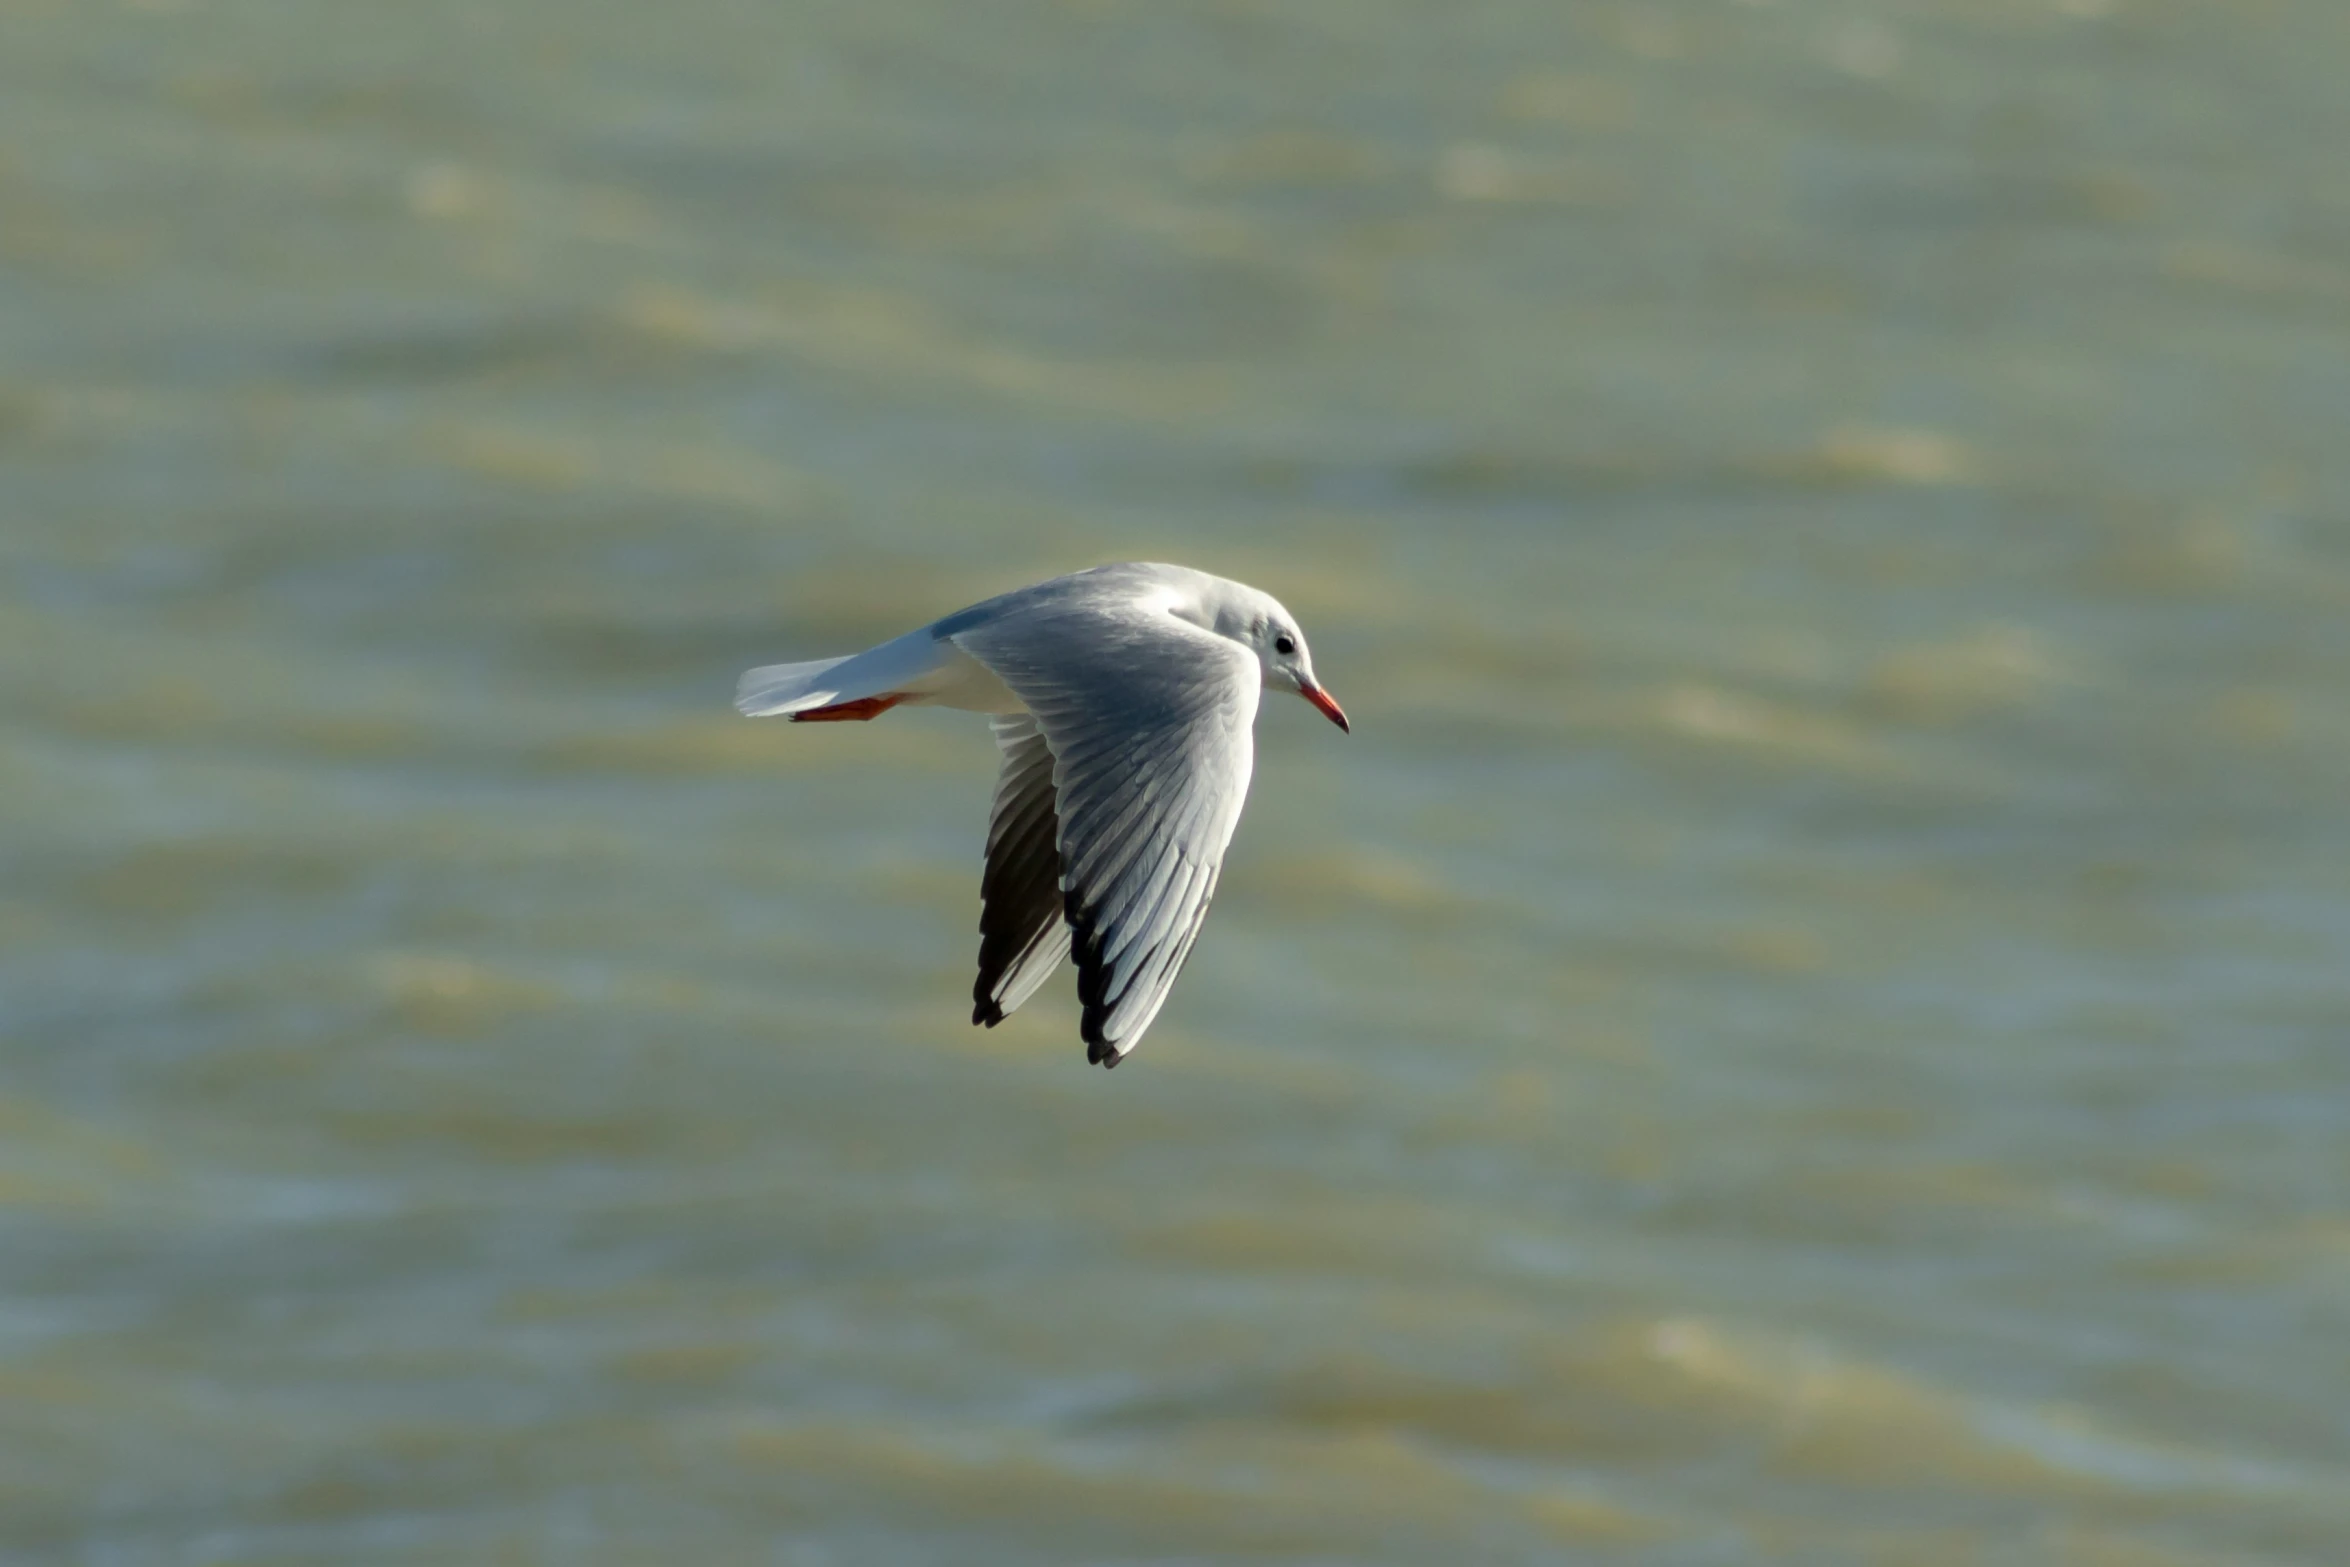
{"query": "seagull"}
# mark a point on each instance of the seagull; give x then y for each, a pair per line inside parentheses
(1123, 700)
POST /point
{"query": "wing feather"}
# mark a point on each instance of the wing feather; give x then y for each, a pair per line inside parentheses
(1147, 718)
(1023, 935)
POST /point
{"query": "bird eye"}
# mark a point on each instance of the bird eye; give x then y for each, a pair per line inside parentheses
(1285, 644)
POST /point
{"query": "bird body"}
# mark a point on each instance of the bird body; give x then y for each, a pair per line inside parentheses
(1123, 700)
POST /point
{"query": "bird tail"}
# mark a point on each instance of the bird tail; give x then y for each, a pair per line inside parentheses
(863, 684)
(775, 689)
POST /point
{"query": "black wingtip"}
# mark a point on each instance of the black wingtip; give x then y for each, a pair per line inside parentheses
(987, 1014)
(1093, 980)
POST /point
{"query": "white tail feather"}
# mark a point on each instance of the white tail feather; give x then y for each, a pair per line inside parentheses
(915, 667)
(775, 689)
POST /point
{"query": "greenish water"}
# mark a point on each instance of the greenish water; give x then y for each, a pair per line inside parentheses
(1807, 1024)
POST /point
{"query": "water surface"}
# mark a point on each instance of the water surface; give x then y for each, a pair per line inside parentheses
(1806, 1025)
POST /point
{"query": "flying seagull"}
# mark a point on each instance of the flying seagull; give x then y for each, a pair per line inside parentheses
(1122, 699)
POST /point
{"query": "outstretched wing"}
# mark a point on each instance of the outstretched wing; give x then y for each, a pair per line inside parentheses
(1022, 936)
(1148, 719)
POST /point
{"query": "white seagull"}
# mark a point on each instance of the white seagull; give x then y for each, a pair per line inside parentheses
(1123, 699)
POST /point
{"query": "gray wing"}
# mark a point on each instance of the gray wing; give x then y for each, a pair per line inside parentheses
(1022, 936)
(1148, 719)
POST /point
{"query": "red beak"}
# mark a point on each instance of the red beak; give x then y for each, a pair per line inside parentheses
(1328, 704)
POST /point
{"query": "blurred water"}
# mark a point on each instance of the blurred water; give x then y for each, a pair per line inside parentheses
(1805, 1026)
